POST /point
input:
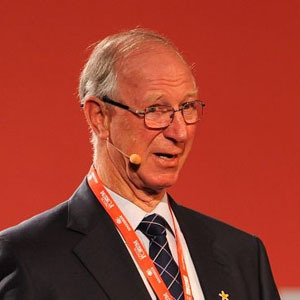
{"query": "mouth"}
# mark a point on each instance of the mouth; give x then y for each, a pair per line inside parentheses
(166, 156)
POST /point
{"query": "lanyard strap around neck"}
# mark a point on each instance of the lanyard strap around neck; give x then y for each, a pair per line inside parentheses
(134, 244)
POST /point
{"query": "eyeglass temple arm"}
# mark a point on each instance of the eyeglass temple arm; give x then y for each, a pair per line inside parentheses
(112, 102)
(121, 105)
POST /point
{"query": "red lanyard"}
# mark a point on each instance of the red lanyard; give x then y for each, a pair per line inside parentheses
(134, 244)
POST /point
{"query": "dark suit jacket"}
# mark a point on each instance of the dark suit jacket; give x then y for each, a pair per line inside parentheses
(74, 252)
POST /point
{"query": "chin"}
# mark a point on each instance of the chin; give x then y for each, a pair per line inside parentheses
(153, 180)
(160, 182)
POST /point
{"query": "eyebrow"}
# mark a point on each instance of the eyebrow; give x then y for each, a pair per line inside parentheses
(158, 96)
(193, 93)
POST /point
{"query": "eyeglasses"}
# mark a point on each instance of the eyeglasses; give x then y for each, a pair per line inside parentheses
(161, 116)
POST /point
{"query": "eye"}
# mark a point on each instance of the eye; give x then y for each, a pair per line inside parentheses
(159, 109)
(152, 109)
(188, 105)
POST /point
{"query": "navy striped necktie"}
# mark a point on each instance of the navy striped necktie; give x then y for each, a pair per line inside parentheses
(155, 228)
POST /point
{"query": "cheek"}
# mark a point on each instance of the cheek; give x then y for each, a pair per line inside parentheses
(191, 135)
(122, 129)
(133, 137)
(143, 141)
(190, 140)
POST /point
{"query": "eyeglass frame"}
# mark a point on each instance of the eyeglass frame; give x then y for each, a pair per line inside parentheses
(142, 114)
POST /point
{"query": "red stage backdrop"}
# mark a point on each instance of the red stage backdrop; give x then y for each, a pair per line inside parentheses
(244, 168)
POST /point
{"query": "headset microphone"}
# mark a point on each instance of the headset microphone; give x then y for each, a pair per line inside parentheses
(133, 158)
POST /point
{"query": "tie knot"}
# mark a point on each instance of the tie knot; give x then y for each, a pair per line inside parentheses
(153, 225)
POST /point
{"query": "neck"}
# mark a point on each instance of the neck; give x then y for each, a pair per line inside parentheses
(121, 184)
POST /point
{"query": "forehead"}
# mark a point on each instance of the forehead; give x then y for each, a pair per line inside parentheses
(154, 69)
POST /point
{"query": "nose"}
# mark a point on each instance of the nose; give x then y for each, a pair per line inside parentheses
(177, 130)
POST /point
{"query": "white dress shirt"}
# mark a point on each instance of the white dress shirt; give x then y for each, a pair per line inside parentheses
(135, 215)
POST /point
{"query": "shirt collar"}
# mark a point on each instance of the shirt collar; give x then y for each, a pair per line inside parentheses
(135, 215)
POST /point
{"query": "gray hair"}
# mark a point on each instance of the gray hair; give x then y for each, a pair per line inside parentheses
(99, 77)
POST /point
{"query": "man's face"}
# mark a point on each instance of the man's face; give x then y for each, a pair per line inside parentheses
(148, 77)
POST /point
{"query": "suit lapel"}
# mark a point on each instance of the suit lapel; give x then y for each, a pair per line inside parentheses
(211, 266)
(102, 250)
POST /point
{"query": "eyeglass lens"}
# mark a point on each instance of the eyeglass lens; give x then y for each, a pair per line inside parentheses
(160, 118)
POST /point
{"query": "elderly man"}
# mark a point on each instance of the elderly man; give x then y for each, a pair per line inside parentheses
(120, 236)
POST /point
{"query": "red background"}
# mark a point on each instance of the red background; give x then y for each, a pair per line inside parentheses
(244, 168)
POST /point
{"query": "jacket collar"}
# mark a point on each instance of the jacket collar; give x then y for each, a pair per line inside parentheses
(101, 249)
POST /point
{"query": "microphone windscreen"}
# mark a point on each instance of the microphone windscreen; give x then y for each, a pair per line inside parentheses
(135, 159)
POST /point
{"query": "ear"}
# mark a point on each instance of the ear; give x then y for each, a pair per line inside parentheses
(96, 115)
